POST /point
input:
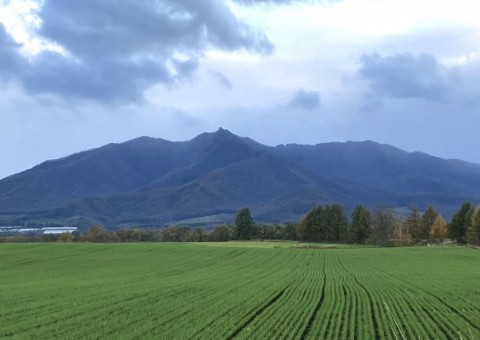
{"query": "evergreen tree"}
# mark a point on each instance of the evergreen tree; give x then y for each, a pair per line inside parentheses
(323, 224)
(310, 228)
(460, 222)
(361, 224)
(428, 219)
(290, 232)
(244, 225)
(336, 223)
(473, 232)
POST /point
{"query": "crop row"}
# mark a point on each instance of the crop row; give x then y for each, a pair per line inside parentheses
(196, 292)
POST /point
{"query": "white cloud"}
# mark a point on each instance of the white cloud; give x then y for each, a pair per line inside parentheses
(371, 18)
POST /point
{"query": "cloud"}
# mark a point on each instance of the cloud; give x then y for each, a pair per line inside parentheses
(407, 76)
(116, 49)
(307, 100)
(222, 79)
(255, 2)
(92, 28)
(281, 2)
(10, 60)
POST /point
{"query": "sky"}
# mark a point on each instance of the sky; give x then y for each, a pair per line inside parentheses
(76, 75)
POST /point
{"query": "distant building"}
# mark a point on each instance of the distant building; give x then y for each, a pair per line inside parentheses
(58, 230)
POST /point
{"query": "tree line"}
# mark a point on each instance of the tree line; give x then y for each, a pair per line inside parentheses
(328, 223)
(384, 226)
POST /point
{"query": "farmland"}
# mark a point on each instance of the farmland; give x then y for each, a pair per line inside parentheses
(238, 291)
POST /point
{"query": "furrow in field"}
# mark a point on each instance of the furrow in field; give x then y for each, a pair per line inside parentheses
(215, 322)
(421, 316)
(319, 304)
(268, 317)
(257, 277)
(237, 312)
(271, 321)
(49, 303)
(374, 318)
(329, 331)
(402, 287)
(436, 314)
(257, 312)
(285, 320)
(285, 317)
(342, 330)
(400, 315)
(112, 305)
(212, 302)
(198, 292)
(360, 318)
(85, 314)
(197, 334)
(348, 316)
(344, 297)
(453, 309)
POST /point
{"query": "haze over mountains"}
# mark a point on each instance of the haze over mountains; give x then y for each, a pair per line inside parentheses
(149, 181)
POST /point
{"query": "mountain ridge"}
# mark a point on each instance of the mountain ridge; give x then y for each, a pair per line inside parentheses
(155, 181)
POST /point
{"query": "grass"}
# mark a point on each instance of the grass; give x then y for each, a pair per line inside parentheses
(280, 244)
(242, 290)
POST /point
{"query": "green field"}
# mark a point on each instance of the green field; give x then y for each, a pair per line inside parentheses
(275, 290)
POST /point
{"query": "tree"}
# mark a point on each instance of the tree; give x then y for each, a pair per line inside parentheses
(428, 219)
(66, 237)
(401, 237)
(265, 232)
(135, 235)
(438, 230)
(310, 228)
(125, 235)
(361, 224)
(413, 225)
(290, 232)
(323, 224)
(96, 234)
(221, 233)
(244, 225)
(50, 238)
(383, 225)
(336, 223)
(199, 235)
(473, 232)
(460, 222)
(177, 233)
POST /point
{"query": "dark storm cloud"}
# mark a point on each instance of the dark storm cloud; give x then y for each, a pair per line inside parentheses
(308, 100)
(118, 48)
(91, 28)
(406, 76)
(10, 60)
(108, 80)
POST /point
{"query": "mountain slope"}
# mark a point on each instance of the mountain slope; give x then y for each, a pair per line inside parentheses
(387, 168)
(261, 182)
(154, 181)
(111, 169)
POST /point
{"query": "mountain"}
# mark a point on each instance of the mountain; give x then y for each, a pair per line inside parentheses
(148, 181)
